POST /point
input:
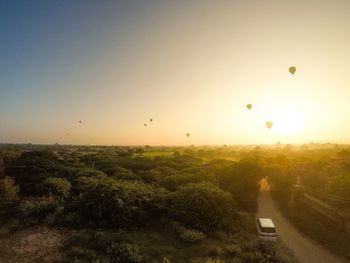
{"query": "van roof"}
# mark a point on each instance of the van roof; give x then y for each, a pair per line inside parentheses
(266, 222)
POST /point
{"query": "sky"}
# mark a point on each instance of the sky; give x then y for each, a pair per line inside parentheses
(191, 66)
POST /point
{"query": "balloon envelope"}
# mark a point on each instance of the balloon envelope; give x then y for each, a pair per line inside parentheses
(187, 134)
(292, 70)
(145, 124)
(151, 120)
(269, 124)
(249, 106)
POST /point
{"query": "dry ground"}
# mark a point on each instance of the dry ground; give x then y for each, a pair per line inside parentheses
(36, 244)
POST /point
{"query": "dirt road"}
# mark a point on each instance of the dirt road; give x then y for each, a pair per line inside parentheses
(303, 248)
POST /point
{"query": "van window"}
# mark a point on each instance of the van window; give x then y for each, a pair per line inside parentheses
(268, 230)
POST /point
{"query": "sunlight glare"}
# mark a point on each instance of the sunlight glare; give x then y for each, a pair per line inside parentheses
(287, 121)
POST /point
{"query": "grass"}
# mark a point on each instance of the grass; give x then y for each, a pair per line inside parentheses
(325, 232)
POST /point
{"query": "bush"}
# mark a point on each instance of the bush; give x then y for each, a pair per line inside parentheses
(187, 235)
(33, 168)
(233, 250)
(109, 202)
(207, 260)
(192, 236)
(124, 253)
(173, 182)
(59, 187)
(37, 207)
(8, 190)
(203, 206)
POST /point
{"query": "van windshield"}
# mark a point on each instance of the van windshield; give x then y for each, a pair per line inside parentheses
(268, 230)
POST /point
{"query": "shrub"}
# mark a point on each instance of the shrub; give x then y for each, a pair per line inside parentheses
(187, 235)
(8, 190)
(192, 236)
(106, 201)
(37, 207)
(59, 187)
(202, 206)
(207, 260)
(233, 250)
(173, 182)
(124, 253)
(33, 168)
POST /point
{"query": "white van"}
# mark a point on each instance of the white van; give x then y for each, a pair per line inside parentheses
(266, 229)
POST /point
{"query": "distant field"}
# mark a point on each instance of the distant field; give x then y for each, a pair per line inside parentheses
(153, 154)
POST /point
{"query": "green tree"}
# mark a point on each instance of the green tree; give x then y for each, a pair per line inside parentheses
(280, 180)
(59, 187)
(8, 190)
(31, 168)
(106, 201)
(202, 206)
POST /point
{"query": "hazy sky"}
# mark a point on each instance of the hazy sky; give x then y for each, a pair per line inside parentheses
(192, 66)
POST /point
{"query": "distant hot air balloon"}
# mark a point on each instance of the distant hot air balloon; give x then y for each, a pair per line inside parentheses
(292, 70)
(187, 134)
(145, 124)
(269, 124)
(80, 121)
(151, 120)
(249, 106)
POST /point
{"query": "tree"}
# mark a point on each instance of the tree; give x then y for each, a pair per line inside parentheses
(241, 179)
(110, 202)
(280, 180)
(31, 168)
(59, 187)
(202, 206)
(8, 190)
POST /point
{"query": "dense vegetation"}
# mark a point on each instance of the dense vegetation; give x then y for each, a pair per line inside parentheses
(140, 204)
(325, 173)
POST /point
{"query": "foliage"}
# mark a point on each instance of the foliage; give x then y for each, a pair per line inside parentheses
(106, 201)
(8, 190)
(124, 253)
(240, 179)
(120, 193)
(59, 187)
(173, 182)
(31, 168)
(202, 206)
(187, 235)
(281, 181)
(37, 208)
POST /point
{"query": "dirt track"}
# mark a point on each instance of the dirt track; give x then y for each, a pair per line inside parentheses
(303, 248)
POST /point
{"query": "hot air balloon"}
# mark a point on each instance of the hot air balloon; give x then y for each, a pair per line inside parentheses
(249, 106)
(187, 134)
(292, 70)
(269, 124)
(151, 120)
(80, 121)
(145, 124)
